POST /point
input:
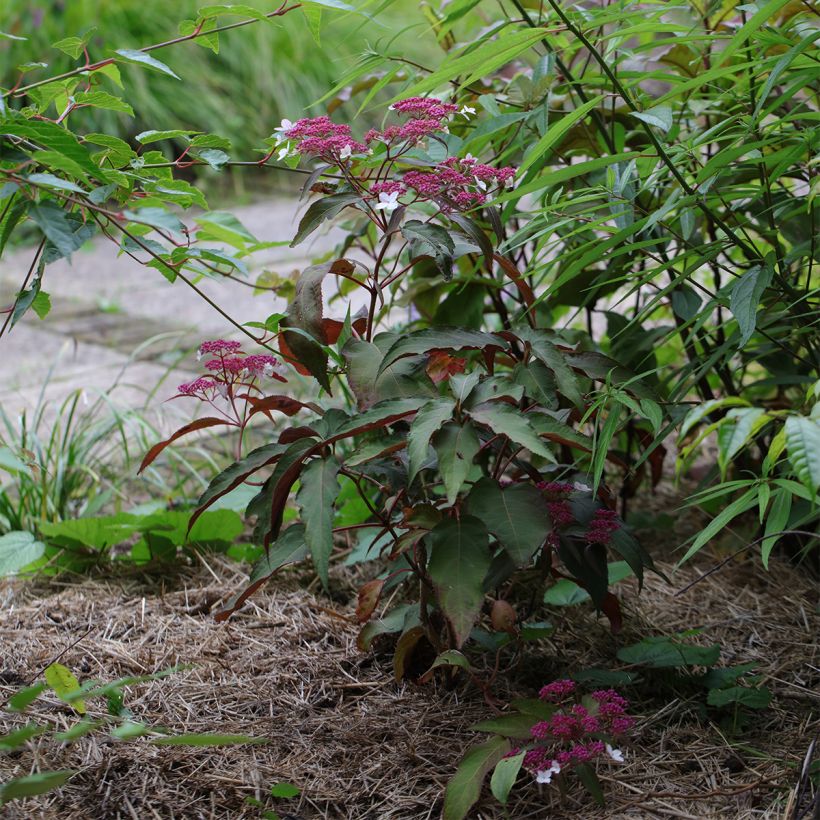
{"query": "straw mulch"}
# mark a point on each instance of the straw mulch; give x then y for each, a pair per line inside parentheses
(358, 744)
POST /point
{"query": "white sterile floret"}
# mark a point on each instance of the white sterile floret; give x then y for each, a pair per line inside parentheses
(345, 152)
(280, 131)
(616, 754)
(545, 776)
(388, 202)
(466, 111)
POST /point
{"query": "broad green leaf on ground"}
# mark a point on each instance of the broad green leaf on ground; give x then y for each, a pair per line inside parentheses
(662, 653)
(515, 515)
(33, 784)
(17, 550)
(459, 560)
(465, 787)
(318, 489)
(64, 683)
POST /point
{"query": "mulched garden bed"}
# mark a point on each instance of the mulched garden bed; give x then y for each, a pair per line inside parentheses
(358, 744)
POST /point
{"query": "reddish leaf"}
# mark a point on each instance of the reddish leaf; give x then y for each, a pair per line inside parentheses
(369, 595)
(284, 404)
(333, 327)
(290, 356)
(611, 607)
(441, 365)
(523, 288)
(199, 424)
(291, 434)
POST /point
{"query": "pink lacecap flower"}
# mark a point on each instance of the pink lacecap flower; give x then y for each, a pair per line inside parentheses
(557, 690)
(218, 347)
(424, 107)
(199, 386)
(555, 490)
(584, 752)
(389, 187)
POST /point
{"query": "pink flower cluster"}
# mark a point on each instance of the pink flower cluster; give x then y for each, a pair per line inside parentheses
(575, 734)
(321, 137)
(555, 490)
(230, 367)
(424, 107)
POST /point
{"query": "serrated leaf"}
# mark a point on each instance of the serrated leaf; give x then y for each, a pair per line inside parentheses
(465, 786)
(141, 58)
(51, 181)
(456, 446)
(319, 487)
(459, 560)
(515, 515)
(663, 653)
(102, 99)
(58, 229)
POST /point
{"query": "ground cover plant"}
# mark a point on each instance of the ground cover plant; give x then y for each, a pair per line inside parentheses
(583, 236)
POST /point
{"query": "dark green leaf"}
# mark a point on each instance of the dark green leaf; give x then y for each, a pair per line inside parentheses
(459, 560)
(318, 489)
(456, 446)
(465, 787)
(141, 58)
(319, 211)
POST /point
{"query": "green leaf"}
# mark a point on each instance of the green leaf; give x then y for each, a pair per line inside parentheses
(745, 299)
(284, 790)
(15, 739)
(776, 521)
(53, 222)
(753, 697)
(101, 99)
(20, 701)
(58, 140)
(554, 359)
(51, 181)
(660, 117)
(33, 784)
(319, 487)
(313, 18)
(207, 739)
(459, 560)
(237, 9)
(504, 777)
(465, 787)
(148, 137)
(80, 729)
(738, 506)
(556, 132)
(565, 593)
(129, 730)
(515, 515)
(803, 444)
(225, 227)
(319, 211)
(17, 550)
(456, 446)
(439, 338)
(506, 420)
(589, 779)
(427, 421)
(141, 58)
(664, 653)
(742, 424)
(64, 683)
(514, 725)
